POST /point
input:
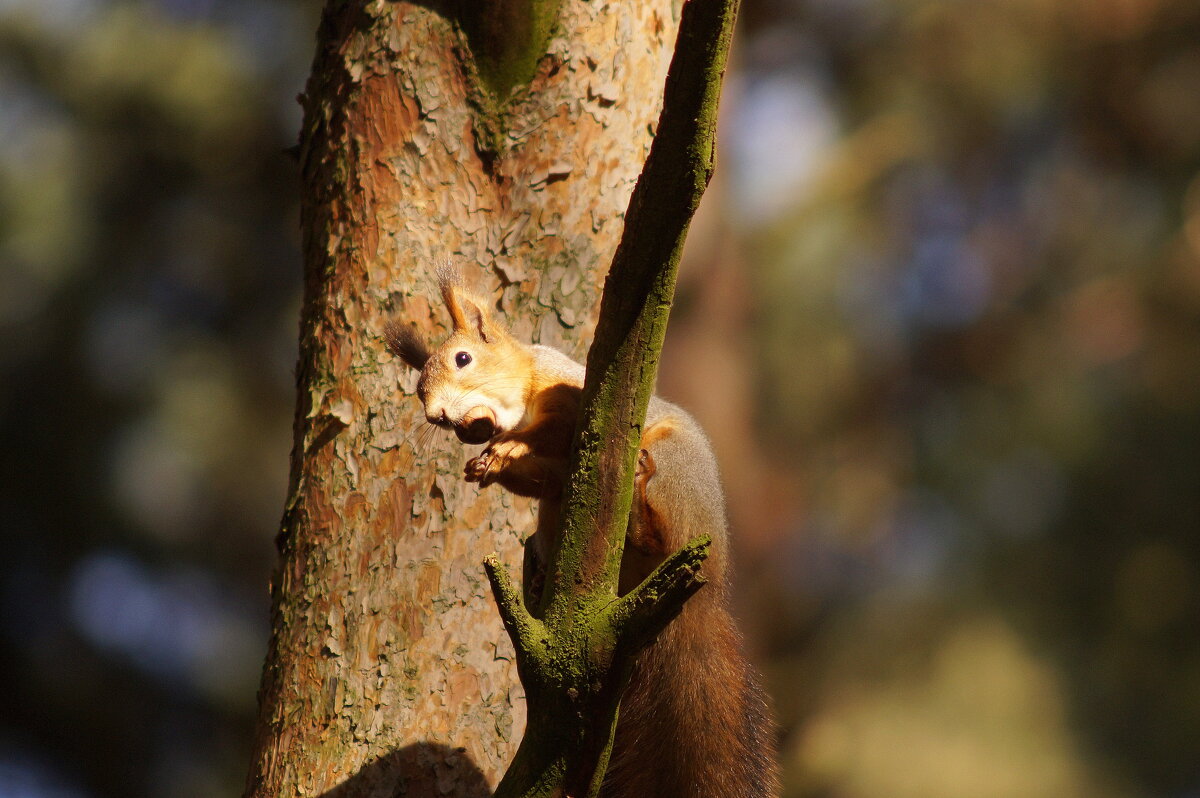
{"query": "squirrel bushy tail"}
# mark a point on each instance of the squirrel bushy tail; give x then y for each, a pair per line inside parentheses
(694, 722)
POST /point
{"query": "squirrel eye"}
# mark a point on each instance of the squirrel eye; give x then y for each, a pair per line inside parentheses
(462, 359)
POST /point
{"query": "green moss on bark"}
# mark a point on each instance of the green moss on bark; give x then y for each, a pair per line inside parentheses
(507, 38)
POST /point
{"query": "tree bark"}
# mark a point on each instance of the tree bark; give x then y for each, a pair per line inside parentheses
(388, 667)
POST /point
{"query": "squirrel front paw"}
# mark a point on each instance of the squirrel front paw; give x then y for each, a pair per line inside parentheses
(494, 460)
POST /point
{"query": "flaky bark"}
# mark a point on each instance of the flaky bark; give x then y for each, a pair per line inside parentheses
(387, 662)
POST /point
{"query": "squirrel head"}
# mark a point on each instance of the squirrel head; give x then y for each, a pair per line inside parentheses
(477, 382)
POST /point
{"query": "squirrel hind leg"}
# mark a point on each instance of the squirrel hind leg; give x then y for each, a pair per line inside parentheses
(645, 525)
(677, 492)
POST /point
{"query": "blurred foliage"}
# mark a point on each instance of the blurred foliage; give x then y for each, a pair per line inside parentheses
(972, 234)
(149, 287)
(979, 307)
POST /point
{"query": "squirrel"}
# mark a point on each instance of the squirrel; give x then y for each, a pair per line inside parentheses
(694, 720)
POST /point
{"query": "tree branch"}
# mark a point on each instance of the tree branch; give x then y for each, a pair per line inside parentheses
(623, 360)
(522, 627)
(575, 674)
(647, 609)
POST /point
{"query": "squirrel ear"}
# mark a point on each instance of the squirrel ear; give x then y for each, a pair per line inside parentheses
(450, 283)
(478, 318)
(467, 313)
(402, 341)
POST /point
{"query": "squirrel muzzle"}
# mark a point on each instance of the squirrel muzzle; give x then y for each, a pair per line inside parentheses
(478, 425)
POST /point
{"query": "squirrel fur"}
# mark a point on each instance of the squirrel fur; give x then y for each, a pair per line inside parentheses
(694, 721)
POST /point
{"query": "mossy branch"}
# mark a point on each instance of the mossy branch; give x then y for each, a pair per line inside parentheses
(522, 627)
(578, 662)
(623, 360)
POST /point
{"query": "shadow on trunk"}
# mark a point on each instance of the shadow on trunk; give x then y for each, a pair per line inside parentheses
(419, 769)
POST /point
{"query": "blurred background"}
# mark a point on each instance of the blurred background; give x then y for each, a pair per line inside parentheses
(941, 315)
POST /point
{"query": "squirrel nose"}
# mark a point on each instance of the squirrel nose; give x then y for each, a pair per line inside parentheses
(440, 419)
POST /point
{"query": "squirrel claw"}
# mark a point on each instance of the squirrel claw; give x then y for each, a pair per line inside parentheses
(475, 469)
(494, 461)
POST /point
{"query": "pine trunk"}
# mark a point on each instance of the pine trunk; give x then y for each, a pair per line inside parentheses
(389, 671)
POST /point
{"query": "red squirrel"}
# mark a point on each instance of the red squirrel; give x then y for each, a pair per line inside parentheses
(694, 721)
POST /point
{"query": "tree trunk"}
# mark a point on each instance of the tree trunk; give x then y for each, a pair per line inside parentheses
(389, 671)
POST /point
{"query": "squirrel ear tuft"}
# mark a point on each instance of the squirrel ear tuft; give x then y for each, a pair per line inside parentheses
(447, 274)
(404, 343)
(450, 283)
